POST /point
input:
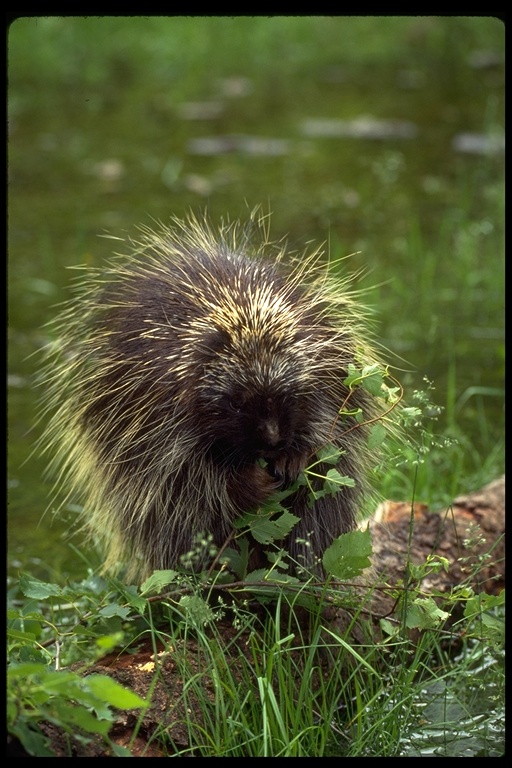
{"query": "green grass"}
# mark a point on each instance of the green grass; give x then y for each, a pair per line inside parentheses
(252, 682)
(178, 44)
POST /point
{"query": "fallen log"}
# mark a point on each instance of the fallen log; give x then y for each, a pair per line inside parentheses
(470, 533)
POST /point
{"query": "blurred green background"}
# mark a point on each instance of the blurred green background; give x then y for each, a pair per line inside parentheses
(379, 135)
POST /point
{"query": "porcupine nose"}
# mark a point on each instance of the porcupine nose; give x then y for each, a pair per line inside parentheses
(270, 432)
(270, 435)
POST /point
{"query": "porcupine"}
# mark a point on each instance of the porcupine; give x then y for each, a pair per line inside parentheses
(197, 376)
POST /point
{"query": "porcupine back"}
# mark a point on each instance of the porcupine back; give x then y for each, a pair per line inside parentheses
(193, 379)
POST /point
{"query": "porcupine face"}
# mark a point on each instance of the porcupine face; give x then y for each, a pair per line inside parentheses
(240, 365)
(260, 426)
(253, 407)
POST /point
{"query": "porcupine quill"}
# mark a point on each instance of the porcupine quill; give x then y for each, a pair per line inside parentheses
(196, 376)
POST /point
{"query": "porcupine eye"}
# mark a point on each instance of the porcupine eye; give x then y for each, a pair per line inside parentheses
(252, 424)
(236, 403)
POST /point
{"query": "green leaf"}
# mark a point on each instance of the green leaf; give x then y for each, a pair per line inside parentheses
(108, 642)
(79, 629)
(120, 751)
(348, 555)
(256, 576)
(16, 634)
(270, 576)
(277, 558)
(494, 623)
(388, 627)
(237, 560)
(410, 414)
(359, 416)
(31, 621)
(378, 434)
(482, 602)
(132, 597)
(391, 394)
(33, 741)
(33, 654)
(354, 376)
(114, 609)
(39, 590)
(479, 611)
(113, 693)
(66, 714)
(373, 379)
(264, 530)
(334, 481)
(25, 670)
(329, 454)
(55, 680)
(158, 581)
(424, 613)
(197, 609)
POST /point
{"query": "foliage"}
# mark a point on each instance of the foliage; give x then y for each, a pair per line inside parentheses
(53, 628)
(379, 697)
(79, 705)
(282, 686)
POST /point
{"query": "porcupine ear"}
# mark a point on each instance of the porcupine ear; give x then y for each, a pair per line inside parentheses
(214, 341)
